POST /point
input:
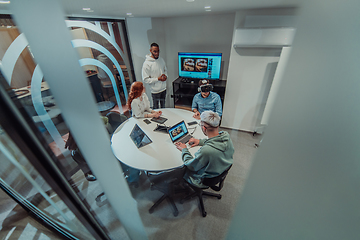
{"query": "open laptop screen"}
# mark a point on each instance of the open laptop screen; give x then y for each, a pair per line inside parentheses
(177, 131)
(139, 138)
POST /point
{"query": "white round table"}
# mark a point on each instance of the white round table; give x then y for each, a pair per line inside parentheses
(159, 155)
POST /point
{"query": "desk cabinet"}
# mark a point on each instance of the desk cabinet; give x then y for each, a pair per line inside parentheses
(184, 90)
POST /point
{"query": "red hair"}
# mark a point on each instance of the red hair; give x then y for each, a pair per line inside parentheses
(135, 92)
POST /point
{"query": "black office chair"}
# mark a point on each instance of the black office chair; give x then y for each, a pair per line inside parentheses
(115, 119)
(96, 87)
(215, 183)
(79, 159)
(168, 182)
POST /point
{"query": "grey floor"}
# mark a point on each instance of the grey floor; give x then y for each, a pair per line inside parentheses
(189, 224)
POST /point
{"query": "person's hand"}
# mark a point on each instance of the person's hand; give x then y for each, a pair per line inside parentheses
(194, 142)
(162, 78)
(180, 146)
(157, 114)
(196, 115)
(160, 112)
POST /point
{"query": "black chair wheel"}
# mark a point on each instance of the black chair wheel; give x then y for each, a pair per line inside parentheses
(204, 214)
(219, 197)
(151, 210)
(176, 214)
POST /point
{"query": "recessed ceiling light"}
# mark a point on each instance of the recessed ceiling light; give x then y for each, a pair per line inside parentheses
(129, 13)
(86, 9)
(207, 7)
(5, 2)
(190, 0)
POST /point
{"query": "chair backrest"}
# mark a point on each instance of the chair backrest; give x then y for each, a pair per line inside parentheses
(216, 183)
(96, 87)
(115, 119)
(169, 176)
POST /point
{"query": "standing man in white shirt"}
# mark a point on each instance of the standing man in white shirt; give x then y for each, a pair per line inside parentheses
(154, 73)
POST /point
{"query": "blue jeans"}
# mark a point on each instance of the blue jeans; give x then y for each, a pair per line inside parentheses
(159, 98)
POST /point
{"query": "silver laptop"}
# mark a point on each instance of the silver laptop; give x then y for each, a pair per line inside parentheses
(179, 133)
(139, 138)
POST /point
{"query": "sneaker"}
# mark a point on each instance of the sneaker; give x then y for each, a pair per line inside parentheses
(90, 177)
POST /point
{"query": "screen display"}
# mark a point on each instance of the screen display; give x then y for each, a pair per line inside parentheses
(139, 138)
(199, 65)
(178, 131)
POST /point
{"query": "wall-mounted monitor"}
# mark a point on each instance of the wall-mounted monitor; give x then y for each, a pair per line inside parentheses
(199, 65)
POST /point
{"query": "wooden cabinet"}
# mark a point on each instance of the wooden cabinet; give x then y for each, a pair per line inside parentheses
(184, 89)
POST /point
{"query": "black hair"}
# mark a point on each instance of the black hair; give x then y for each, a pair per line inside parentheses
(154, 45)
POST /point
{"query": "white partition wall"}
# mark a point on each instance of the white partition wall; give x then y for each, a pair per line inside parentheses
(252, 68)
(281, 67)
(305, 181)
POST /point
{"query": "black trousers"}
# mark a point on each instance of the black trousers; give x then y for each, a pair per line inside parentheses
(159, 99)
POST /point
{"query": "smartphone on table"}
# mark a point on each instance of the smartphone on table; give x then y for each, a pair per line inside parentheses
(147, 121)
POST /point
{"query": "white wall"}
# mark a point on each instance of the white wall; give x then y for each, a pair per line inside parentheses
(251, 72)
(137, 29)
(142, 32)
(207, 33)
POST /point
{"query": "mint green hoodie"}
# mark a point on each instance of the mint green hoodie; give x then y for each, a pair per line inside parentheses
(212, 159)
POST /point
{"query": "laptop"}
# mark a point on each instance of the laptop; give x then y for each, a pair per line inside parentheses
(139, 138)
(179, 133)
(160, 128)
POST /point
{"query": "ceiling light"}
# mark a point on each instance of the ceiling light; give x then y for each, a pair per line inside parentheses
(207, 7)
(190, 0)
(4, 2)
(208, 10)
(129, 13)
(86, 9)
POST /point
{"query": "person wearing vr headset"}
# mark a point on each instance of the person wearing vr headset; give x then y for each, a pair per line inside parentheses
(206, 100)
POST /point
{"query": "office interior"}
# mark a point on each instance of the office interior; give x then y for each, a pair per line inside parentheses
(302, 180)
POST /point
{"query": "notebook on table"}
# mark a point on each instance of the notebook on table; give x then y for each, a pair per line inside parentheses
(139, 138)
(179, 133)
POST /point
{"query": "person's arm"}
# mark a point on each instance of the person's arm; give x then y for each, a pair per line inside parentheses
(194, 108)
(218, 105)
(136, 111)
(135, 107)
(146, 76)
(165, 70)
(194, 104)
(193, 163)
(147, 103)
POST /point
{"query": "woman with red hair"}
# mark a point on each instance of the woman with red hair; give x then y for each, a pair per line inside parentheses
(139, 103)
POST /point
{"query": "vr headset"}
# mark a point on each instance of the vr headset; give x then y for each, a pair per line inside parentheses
(206, 87)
